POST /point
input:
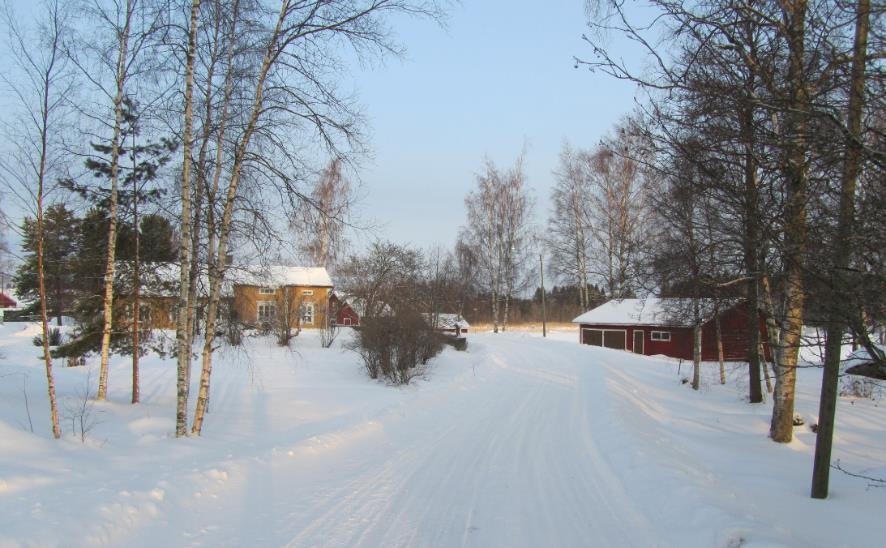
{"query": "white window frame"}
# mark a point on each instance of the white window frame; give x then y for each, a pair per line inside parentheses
(660, 336)
(267, 291)
(267, 305)
(307, 313)
(307, 292)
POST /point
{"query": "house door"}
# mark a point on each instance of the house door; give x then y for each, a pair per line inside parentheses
(638, 341)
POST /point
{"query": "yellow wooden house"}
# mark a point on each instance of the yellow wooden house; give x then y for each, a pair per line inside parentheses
(296, 294)
(259, 296)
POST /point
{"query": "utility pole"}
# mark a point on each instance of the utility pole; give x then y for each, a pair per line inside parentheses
(544, 316)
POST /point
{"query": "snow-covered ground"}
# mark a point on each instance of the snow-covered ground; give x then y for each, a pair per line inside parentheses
(520, 441)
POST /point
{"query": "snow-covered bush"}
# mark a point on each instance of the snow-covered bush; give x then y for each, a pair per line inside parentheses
(862, 387)
(392, 346)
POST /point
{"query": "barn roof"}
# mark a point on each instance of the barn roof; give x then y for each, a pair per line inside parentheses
(648, 311)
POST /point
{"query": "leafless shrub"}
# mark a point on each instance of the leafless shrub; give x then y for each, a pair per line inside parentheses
(393, 346)
(329, 332)
(25, 398)
(79, 409)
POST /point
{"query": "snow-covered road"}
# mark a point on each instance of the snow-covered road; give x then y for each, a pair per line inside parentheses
(519, 442)
(502, 453)
(510, 460)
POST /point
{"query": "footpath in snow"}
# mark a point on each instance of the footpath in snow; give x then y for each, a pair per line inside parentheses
(521, 441)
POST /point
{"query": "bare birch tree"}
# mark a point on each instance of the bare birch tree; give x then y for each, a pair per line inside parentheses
(109, 53)
(291, 85)
(322, 215)
(618, 209)
(183, 331)
(568, 222)
(497, 230)
(42, 91)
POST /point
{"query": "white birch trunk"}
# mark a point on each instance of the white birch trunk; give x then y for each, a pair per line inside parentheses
(181, 333)
(108, 300)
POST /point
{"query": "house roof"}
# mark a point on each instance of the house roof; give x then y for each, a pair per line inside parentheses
(278, 275)
(648, 311)
(449, 321)
(162, 279)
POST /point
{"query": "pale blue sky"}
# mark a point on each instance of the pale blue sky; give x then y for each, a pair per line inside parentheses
(500, 74)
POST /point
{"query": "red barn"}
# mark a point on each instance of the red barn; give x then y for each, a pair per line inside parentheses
(345, 313)
(347, 316)
(651, 326)
(7, 301)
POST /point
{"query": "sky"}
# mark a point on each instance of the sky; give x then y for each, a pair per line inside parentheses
(501, 75)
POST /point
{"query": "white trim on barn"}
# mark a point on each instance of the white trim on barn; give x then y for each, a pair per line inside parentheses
(642, 334)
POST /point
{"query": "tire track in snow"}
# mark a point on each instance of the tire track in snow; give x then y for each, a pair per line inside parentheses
(514, 464)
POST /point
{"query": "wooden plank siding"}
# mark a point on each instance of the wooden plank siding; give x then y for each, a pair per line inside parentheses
(161, 313)
(247, 298)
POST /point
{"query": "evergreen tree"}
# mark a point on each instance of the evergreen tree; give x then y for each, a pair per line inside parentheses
(60, 248)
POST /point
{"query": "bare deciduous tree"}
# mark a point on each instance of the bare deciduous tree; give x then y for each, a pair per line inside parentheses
(292, 89)
(498, 234)
(42, 92)
(322, 216)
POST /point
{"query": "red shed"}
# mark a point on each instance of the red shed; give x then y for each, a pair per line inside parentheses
(7, 301)
(347, 316)
(342, 309)
(648, 326)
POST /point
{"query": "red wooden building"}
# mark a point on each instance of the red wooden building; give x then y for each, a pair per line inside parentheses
(7, 301)
(345, 312)
(649, 326)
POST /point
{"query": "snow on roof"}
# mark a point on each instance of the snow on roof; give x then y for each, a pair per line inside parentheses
(648, 311)
(162, 279)
(449, 321)
(278, 275)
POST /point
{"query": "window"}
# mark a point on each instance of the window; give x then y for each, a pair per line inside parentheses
(266, 291)
(660, 335)
(267, 311)
(307, 292)
(307, 313)
(144, 313)
(347, 320)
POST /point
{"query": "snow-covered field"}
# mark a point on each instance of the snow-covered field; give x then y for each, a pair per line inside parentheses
(520, 441)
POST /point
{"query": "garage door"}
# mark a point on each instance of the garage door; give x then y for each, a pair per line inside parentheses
(614, 339)
(592, 336)
(610, 338)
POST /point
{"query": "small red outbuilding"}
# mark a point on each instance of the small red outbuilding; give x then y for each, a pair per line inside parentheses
(650, 326)
(345, 313)
(7, 301)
